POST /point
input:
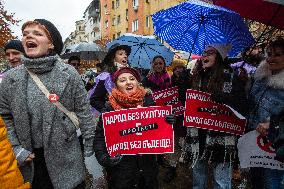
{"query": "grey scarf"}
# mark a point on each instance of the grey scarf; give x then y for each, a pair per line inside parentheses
(40, 65)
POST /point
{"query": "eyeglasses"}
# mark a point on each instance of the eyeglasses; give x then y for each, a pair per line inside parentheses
(209, 53)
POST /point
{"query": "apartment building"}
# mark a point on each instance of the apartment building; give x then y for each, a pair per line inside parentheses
(92, 19)
(76, 36)
(130, 16)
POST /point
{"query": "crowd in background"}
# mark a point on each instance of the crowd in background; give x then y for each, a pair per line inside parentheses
(49, 152)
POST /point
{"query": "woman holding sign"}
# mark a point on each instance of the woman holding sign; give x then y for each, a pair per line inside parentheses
(267, 99)
(128, 171)
(211, 74)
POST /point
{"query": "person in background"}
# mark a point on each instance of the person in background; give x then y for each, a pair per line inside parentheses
(180, 79)
(13, 51)
(158, 78)
(250, 60)
(43, 137)
(10, 175)
(127, 171)
(117, 57)
(266, 99)
(213, 75)
(75, 62)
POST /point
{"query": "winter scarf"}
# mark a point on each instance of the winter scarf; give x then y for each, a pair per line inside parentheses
(119, 100)
(162, 81)
(40, 65)
(216, 143)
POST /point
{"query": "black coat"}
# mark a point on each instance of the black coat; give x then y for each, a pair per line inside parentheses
(133, 171)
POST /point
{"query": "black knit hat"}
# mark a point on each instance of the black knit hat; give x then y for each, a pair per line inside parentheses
(14, 44)
(53, 32)
(112, 50)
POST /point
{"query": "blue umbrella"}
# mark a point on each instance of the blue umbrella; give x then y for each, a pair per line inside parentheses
(143, 49)
(192, 25)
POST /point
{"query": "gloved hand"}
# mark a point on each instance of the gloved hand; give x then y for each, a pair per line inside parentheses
(217, 97)
(171, 119)
(112, 161)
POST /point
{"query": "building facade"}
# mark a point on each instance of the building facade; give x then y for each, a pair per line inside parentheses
(76, 36)
(92, 19)
(130, 16)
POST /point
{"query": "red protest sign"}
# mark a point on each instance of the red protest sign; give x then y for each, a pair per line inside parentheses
(169, 97)
(138, 131)
(201, 112)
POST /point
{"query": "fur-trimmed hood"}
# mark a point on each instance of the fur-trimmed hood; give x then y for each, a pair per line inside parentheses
(275, 81)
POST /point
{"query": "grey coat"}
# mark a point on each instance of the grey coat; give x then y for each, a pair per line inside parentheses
(62, 152)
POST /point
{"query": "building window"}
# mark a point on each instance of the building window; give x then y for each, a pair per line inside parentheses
(126, 14)
(135, 25)
(126, 30)
(105, 9)
(135, 3)
(106, 24)
(113, 21)
(118, 19)
(117, 3)
(118, 34)
(147, 21)
(112, 4)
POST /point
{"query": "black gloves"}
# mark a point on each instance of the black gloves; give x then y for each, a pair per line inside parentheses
(171, 119)
(218, 97)
(112, 161)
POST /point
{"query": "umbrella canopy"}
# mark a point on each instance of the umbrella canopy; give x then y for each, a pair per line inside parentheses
(143, 49)
(192, 25)
(85, 51)
(269, 13)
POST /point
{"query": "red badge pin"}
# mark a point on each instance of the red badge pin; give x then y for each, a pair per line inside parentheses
(53, 98)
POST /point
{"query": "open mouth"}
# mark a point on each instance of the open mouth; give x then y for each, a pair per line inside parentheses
(124, 61)
(31, 45)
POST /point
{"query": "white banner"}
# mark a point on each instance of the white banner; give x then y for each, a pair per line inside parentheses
(255, 151)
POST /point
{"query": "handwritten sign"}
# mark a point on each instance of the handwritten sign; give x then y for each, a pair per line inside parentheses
(138, 131)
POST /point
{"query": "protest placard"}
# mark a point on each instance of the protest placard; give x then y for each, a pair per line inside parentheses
(202, 112)
(169, 96)
(138, 131)
(255, 151)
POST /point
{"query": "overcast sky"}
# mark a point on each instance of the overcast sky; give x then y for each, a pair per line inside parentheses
(62, 13)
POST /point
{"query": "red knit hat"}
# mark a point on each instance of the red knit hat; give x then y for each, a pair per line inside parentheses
(132, 71)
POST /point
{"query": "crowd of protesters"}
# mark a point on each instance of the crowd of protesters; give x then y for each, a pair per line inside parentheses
(42, 99)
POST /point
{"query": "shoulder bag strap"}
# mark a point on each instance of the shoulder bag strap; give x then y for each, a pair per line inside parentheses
(72, 116)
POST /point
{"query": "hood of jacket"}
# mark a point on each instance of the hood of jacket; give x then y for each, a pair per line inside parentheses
(275, 81)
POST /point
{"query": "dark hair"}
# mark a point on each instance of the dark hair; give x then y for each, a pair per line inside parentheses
(161, 57)
(100, 65)
(277, 42)
(108, 62)
(73, 58)
(217, 77)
